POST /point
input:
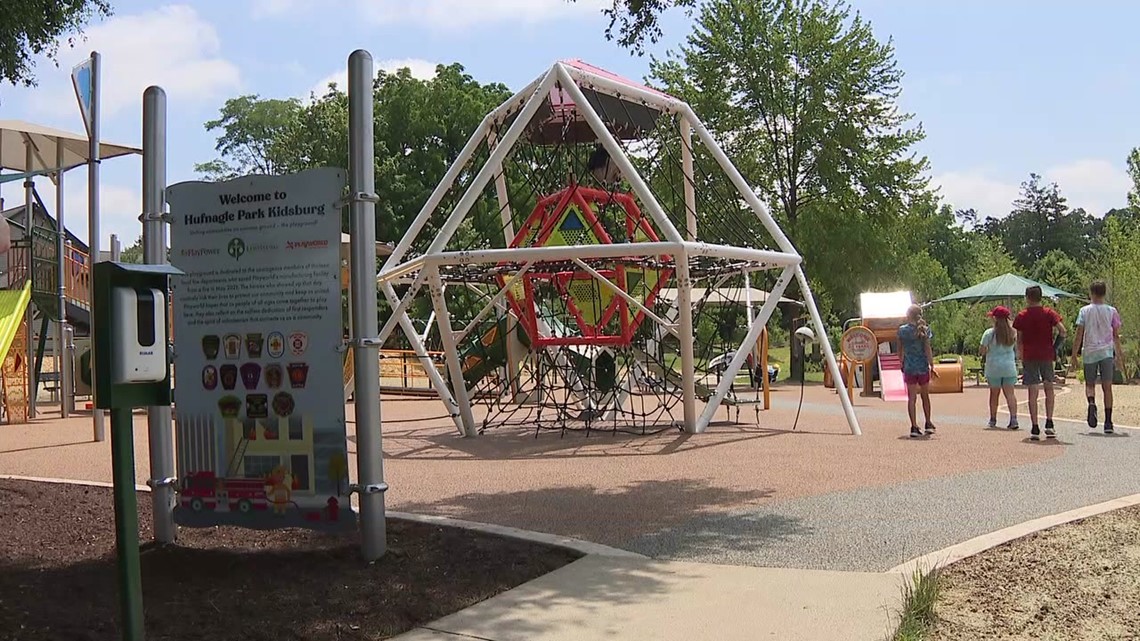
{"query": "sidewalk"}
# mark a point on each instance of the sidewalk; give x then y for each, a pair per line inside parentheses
(609, 598)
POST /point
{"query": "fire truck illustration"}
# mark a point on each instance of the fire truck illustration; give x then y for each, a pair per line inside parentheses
(205, 491)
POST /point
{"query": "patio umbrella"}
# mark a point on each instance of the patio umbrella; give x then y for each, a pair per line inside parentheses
(16, 137)
(1003, 288)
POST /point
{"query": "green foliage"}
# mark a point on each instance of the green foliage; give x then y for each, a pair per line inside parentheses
(30, 28)
(1134, 174)
(633, 22)
(251, 138)
(133, 253)
(420, 128)
(804, 99)
(918, 615)
(1042, 222)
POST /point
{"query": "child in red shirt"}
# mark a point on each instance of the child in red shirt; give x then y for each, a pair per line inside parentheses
(1035, 345)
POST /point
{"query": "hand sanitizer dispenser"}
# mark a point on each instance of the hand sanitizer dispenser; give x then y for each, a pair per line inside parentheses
(138, 348)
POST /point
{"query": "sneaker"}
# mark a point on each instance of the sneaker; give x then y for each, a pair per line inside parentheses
(929, 428)
(1013, 424)
(1035, 433)
(1092, 415)
(1049, 433)
(992, 423)
(1108, 427)
(915, 432)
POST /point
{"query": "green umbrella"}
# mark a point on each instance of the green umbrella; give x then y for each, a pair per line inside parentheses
(1003, 288)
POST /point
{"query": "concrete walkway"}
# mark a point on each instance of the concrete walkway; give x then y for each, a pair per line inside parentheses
(876, 528)
(599, 598)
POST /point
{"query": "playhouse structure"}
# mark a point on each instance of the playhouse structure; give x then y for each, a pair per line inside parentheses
(546, 249)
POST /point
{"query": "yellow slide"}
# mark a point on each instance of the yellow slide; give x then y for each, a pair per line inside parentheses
(13, 303)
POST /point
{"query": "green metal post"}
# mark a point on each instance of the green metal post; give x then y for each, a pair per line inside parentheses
(129, 569)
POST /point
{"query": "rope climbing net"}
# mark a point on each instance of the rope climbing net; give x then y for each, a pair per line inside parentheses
(574, 260)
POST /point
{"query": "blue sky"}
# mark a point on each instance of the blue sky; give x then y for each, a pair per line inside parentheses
(1002, 88)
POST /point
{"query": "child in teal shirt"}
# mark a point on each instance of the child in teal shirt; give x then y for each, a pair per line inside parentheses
(999, 349)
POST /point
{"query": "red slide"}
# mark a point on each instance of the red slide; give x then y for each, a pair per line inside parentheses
(891, 378)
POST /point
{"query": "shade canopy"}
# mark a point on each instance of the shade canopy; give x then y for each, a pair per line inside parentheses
(16, 136)
(1001, 288)
(724, 296)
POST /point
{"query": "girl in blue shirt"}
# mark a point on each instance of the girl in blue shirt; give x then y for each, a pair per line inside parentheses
(998, 347)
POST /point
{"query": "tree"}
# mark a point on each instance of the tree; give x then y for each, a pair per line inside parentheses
(804, 99)
(636, 21)
(132, 254)
(420, 128)
(1041, 222)
(31, 28)
(251, 136)
(1134, 173)
(1061, 271)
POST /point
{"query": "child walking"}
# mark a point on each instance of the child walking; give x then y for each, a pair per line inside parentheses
(1098, 333)
(998, 348)
(918, 367)
(1035, 327)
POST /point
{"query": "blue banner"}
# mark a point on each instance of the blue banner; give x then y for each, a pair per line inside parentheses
(83, 81)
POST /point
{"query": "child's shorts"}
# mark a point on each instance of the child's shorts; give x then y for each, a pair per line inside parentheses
(998, 382)
(921, 380)
(1102, 370)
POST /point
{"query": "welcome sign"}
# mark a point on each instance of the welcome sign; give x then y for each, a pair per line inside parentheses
(260, 423)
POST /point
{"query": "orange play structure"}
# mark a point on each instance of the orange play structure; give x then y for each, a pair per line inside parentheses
(883, 313)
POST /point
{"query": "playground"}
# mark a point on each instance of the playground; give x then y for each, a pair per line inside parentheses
(573, 346)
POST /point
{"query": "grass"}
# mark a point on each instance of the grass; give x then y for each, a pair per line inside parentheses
(917, 615)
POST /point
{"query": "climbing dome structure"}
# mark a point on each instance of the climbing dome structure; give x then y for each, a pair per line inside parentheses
(543, 254)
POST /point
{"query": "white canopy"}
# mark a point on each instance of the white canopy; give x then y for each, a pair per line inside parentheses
(17, 135)
(723, 295)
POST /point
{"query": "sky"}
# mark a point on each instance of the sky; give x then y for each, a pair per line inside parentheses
(1001, 89)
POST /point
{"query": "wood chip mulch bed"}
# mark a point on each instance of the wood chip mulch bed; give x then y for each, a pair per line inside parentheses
(57, 575)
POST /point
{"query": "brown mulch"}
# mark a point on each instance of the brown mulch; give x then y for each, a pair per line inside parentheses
(1074, 582)
(57, 575)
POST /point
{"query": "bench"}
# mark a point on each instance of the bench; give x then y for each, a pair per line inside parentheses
(50, 382)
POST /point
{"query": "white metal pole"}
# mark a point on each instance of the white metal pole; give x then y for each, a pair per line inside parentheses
(687, 176)
(585, 252)
(116, 249)
(829, 355)
(475, 189)
(754, 330)
(748, 314)
(417, 343)
(514, 348)
(29, 258)
(62, 363)
(687, 339)
(98, 424)
(366, 357)
(746, 192)
(617, 155)
(451, 351)
(158, 418)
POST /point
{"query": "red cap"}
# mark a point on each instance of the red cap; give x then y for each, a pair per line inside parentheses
(1000, 311)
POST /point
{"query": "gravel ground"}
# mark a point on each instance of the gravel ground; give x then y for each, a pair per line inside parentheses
(877, 528)
(1125, 411)
(1074, 582)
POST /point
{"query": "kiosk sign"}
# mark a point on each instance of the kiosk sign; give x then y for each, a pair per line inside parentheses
(259, 396)
(859, 344)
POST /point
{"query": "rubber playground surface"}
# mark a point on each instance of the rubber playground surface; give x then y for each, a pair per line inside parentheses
(744, 494)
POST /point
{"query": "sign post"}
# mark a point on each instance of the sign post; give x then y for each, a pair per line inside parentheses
(133, 370)
(260, 431)
(859, 346)
(85, 78)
